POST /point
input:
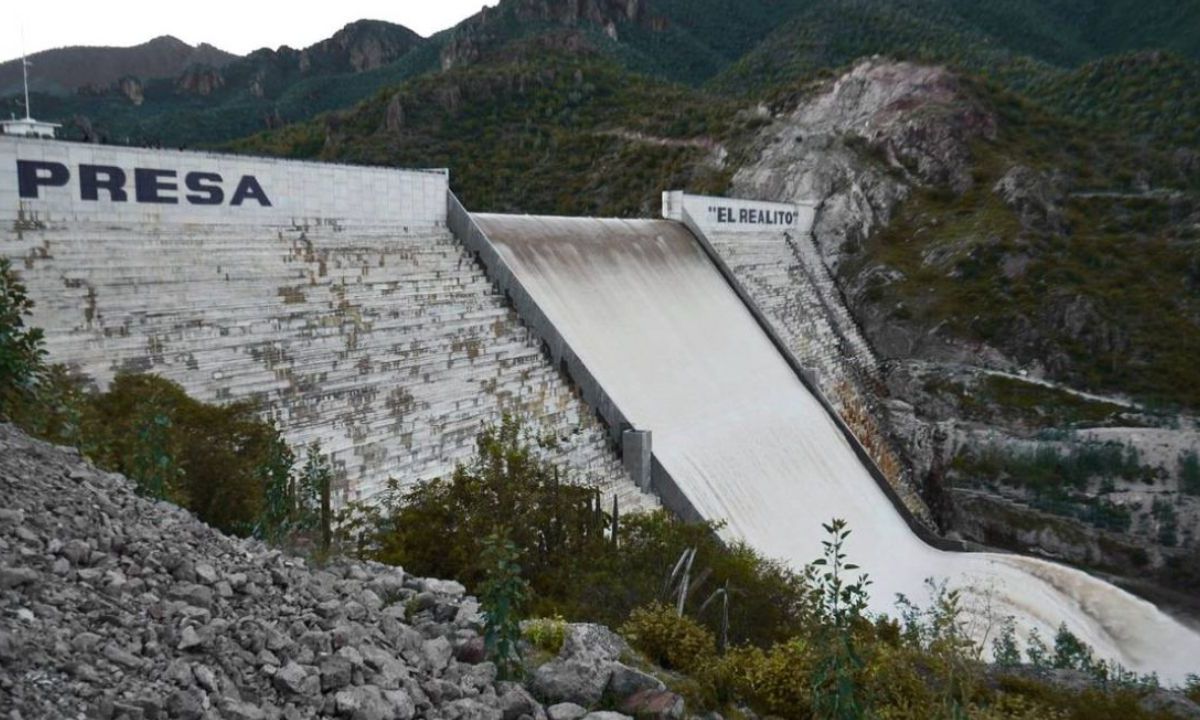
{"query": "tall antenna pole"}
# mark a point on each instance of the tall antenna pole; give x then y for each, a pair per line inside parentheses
(25, 72)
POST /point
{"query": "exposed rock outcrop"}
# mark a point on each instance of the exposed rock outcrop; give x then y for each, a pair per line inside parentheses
(490, 28)
(132, 89)
(914, 118)
(360, 46)
(200, 80)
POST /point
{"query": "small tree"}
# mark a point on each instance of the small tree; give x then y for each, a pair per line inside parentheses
(21, 351)
(502, 599)
(836, 693)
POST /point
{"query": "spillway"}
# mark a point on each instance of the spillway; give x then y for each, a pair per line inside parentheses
(661, 330)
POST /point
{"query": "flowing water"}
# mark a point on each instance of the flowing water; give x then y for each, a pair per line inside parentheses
(670, 342)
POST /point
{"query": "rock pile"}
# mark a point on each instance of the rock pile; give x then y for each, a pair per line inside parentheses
(114, 606)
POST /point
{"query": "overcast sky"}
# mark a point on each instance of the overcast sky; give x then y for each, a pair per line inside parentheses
(237, 26)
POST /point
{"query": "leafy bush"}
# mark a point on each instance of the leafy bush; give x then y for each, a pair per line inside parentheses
(21, 351)
(1192, 688)
(774, 681)
(501, 598)
(568, 557)
(546, 634)
(675, 642)
(836, 686)
(208, 458)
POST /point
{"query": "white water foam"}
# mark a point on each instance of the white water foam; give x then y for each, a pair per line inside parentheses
(670, 342)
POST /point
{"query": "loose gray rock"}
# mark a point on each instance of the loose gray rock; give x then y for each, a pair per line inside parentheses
(587, 641)
(437, 653)
(335, 672)
(11, 577)
(469, 709)
(566, 711)
(582, 683)
(517, 702)
(135, 609)
(653, 703)
(363, 703)
(292, 679)
(627, 681)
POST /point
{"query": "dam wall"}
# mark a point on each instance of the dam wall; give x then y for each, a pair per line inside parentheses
(335, 297)
(767, 253)
(750, 444)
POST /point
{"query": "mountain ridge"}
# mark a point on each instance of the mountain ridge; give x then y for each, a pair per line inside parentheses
(68, 69)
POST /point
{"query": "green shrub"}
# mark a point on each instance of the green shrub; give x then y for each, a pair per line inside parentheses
(546, 634)
(568, 557)
(502, 598)
(774, 682)
(207, 458)
(1192, 688)
(836, 682)
(669, 640)
(21, 351)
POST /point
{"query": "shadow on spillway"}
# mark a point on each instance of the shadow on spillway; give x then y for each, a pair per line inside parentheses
(669, 341)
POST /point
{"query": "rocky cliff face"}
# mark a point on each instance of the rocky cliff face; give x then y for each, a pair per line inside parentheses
(114, 606)
(200, 80)
(132, 89)
(359, 46)
(859, 145)
(492, 27)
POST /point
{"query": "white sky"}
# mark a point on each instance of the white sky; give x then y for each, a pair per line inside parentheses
(237, 26)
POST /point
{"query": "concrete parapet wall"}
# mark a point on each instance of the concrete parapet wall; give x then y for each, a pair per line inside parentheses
(298, 193)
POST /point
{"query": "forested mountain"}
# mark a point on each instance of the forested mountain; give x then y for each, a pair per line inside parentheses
(206, 103)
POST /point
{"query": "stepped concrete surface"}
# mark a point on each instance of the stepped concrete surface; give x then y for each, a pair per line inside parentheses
(346, 308)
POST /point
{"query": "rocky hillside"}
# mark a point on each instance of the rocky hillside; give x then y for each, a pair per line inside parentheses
(63, 71)
(113, 606)
(1029, 289)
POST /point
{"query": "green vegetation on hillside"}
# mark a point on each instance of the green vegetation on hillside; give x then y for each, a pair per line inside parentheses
(726, 625)
(1096, 281)
(545, 132)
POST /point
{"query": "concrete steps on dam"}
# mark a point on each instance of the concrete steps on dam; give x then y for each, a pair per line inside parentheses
(391, 348)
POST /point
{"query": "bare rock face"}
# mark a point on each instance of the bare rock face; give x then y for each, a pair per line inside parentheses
(394, 120)
(482, 32)
(132, 89)
(1037, 197)
(202, 81)
(359, 46)
(916, 124)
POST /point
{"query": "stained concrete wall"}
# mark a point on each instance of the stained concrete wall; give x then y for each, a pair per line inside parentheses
(766, 253)
(299, 193)
(346, 308)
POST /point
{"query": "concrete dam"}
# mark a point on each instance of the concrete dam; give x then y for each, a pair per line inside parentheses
(367, 309)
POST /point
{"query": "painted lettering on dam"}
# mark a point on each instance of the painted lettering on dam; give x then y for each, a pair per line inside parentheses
(752, 216)
(142, 185)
